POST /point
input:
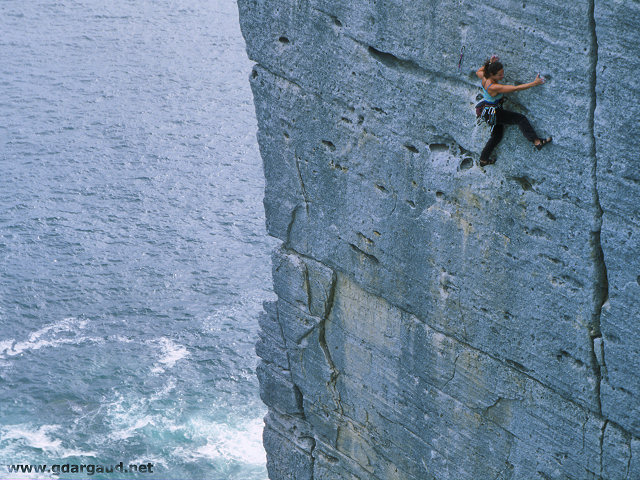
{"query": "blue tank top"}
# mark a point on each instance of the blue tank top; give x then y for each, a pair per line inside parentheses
(488, 98)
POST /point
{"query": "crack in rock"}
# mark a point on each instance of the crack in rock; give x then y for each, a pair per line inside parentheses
(601, 283)
(322, 339)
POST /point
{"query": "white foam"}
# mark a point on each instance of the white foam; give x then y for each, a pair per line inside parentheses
(66, 325)
(126, 417)
(171, 354)
(122, 339)
(132, 429)
(42, 438)
(39, 438)
(207, 439)
(47, 336)
(241, 443)
(6, 345)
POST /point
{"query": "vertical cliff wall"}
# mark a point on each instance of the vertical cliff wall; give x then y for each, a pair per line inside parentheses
(437, 320)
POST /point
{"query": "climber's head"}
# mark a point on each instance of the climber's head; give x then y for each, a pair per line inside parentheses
(493, 69)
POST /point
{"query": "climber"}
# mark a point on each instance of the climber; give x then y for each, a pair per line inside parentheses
(490, 108)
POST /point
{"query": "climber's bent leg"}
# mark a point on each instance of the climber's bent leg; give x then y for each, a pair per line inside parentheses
(496, 136)
(512, 118)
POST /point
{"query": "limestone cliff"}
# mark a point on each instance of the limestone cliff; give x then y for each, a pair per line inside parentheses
(438, 320)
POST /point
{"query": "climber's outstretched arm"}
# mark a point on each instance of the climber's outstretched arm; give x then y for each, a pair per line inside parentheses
(498, 88)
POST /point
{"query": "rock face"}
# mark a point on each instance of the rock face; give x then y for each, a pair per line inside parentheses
(437, 320)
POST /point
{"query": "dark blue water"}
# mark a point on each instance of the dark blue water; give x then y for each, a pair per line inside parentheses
(133, 256)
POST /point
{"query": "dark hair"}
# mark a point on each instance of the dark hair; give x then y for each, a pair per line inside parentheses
(491, 68)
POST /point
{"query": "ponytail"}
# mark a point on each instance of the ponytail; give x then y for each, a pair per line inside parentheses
(491, 68)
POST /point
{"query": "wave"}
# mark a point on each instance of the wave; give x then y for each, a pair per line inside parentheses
(52, 335)
(212, 435)
(240, 442)
(42, 438)
(67, 332)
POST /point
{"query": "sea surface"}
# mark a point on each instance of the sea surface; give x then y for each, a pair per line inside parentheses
(133, 254)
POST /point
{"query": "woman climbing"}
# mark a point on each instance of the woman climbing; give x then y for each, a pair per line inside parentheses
(490, 108)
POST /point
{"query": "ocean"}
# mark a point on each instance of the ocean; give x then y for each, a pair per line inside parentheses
(133, 254)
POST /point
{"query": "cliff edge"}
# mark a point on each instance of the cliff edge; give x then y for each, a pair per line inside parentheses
(438, 320)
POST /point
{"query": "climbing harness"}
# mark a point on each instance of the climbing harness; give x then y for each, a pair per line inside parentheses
(486, 112)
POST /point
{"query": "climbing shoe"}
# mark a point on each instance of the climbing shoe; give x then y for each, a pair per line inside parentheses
(542, 143)
(488, 161)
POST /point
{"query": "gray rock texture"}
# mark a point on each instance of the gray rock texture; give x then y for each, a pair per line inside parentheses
(435, 319)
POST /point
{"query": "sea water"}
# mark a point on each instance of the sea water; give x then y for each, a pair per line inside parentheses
(133, 254)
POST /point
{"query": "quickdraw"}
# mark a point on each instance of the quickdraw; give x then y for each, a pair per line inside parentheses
(486, 112)
(489, 115)
(461, 57)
